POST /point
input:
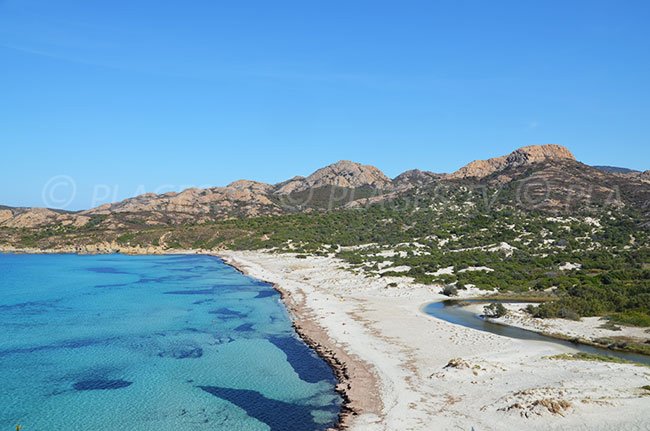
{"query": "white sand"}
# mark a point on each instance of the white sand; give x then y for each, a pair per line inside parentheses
(506, 385)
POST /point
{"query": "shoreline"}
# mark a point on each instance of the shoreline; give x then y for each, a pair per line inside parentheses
(403, 369)
(303, 324)
(315, 338)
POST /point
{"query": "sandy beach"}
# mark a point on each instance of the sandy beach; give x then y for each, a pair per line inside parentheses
(404, 370)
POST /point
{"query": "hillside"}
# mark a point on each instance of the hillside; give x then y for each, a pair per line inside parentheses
(547, 177)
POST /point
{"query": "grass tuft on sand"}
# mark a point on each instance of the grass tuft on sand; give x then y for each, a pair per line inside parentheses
(591, 357)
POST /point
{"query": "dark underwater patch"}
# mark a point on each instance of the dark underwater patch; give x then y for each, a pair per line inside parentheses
(109, 286)
(203, 301)
(165, 278)
(227, 313)
(212, 290)
(100, 384)
(303, 360)
(106, 270)
(278, 415)
(182, 352)
(267, 294)
(78, 344)
(246, 327)
(192, 292)
(71, 344)
(31, 307)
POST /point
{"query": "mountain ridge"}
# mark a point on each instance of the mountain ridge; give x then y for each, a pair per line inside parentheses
(523, 156)
(350, 182)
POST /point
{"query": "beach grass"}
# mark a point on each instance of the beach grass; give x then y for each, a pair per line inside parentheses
(591, 357)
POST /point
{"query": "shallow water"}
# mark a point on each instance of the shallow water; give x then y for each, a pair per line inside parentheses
(452, 311)
(152, 343)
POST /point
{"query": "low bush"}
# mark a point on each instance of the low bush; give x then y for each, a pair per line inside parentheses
(450, 291)
(495, 310)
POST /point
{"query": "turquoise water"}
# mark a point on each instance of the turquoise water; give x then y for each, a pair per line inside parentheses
(152, 343)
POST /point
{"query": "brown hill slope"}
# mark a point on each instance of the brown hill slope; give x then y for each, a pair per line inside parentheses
(545, 177)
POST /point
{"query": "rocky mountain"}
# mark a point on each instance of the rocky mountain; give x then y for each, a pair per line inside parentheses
(521, 157)
(415, 178)
(241, 198)
(39, 217)
(344, 174)
(550, 172)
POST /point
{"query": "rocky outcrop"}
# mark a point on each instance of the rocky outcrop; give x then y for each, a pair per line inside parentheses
(251, 186)
(246, 198)
(5, 215)
(415, 178)
(344, 174)
(40, 217)
(523, 156)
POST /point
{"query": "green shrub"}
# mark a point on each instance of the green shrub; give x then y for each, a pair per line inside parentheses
(450, 290)
(632, 318)
(495, 310)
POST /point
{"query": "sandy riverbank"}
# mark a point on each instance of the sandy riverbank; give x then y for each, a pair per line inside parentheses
(587, 328)
(395, 359)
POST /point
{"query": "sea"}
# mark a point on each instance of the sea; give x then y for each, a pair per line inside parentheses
(177, 342)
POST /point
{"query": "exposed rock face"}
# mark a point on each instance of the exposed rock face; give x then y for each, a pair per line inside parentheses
(341, 174)
(523, 156)
(251, 186)
(39, 217)
(415, 178)
(247, 198)
(5, 215)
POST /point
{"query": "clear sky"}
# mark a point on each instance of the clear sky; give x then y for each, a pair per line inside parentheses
(130, 96)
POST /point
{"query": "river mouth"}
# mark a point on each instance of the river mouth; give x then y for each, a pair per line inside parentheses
(453, 311)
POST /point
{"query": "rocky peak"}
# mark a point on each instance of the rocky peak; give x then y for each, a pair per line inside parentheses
(415, 178)
(341, 174)
(539, 153)
(523, 156)
(249, 185)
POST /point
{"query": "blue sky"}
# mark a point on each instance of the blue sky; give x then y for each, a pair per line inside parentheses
(123, 97)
